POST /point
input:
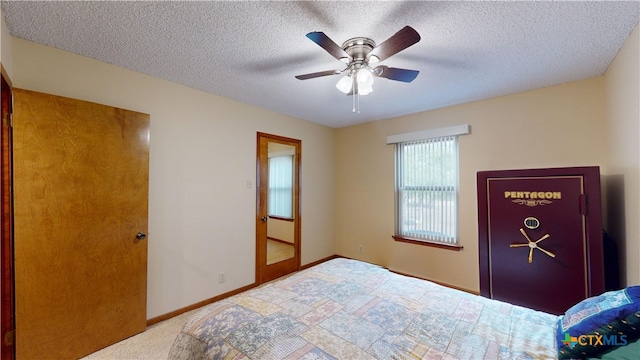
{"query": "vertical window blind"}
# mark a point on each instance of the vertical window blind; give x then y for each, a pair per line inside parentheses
(427, 182)
(280, 193)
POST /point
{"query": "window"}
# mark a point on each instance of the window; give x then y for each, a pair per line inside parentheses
(280, 193)
(427, 186)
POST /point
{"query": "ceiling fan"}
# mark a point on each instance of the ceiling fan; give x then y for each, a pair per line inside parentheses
(360, 53)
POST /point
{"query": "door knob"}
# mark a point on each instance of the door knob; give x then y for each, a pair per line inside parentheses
(141, 236)
(264, 218)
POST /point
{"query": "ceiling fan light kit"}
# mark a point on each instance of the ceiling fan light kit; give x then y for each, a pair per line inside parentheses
(345, 84)
(359, 53)
(361, 79)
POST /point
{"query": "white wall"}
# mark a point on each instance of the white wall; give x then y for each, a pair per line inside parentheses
(201, 213)
(622, 90)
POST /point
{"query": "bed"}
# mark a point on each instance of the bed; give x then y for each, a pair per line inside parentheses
(348, 309)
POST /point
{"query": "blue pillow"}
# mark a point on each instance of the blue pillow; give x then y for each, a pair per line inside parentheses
(599, 323)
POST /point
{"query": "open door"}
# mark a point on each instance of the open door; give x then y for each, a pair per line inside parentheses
(80, 192)
(277, 206)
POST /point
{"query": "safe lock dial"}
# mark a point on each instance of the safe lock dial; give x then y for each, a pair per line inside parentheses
(533, 245)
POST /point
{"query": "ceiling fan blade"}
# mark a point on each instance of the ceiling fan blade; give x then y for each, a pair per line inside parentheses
(318, 74)
(395, 73)
(326, 43)
(401, 40)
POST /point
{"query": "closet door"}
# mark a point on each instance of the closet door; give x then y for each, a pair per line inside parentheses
(81, 188)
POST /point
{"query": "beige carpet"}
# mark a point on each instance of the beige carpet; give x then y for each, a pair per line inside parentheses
(153, 344)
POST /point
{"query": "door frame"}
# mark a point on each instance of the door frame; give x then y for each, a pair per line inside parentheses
(6, 233)
(266, 272)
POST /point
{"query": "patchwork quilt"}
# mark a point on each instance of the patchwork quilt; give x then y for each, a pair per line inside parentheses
(347, 309)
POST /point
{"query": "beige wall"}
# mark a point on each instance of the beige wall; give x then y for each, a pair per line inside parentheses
(5, 46)
(551, 127)
(590, 122)
(280, 230)
(201, 213)
(622, 83)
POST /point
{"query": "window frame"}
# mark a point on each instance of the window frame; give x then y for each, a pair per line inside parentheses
(454, 131)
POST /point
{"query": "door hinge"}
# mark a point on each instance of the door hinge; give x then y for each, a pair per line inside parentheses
(7, 120)
(9, 337)
(583, 204)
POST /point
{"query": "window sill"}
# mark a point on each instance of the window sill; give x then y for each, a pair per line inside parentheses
(428, 243)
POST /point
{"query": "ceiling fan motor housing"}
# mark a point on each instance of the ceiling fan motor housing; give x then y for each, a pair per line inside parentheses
(358, 48)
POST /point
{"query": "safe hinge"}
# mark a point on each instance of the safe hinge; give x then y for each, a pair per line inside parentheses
(583, 204)
(9, 337)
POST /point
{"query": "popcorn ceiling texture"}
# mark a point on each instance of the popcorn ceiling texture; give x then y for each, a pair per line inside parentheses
(251, 51)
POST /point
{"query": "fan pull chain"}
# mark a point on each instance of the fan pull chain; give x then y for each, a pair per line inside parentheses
(354, 102)
(354, 88)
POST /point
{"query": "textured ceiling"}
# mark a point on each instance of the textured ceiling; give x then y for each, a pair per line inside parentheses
(251, 51)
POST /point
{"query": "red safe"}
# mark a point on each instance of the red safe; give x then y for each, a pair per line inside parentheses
(540, 233)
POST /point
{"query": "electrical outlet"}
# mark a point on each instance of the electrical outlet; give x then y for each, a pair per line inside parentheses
(222, 277)
(361, 249)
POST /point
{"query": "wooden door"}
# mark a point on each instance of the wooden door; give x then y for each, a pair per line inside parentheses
(265, 270)
(81, 188)
(540, 252)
